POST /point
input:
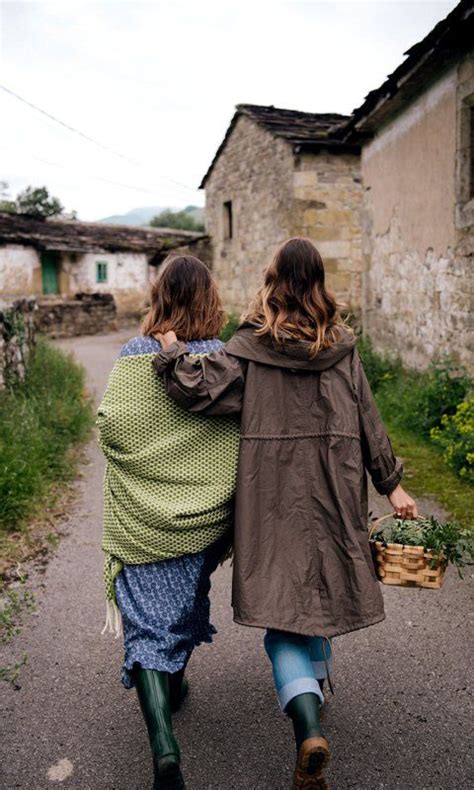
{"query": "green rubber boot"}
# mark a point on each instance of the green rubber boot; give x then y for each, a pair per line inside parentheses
(179, 687)
(311, 747)
(153, 694)
(304, 712)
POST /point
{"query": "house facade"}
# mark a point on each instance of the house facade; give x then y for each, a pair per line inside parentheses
(278, 174)
(417, 138)
(57, 259)
(386, 194)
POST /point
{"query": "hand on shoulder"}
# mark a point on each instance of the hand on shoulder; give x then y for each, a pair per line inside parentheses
(167, 339)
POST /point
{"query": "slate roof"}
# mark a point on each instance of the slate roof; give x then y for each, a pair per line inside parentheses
(74, 236)
(449, 40)
(442, 47)
(300, 129)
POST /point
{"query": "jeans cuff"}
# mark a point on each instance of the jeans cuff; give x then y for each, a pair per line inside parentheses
(320, 670)
(296, 687)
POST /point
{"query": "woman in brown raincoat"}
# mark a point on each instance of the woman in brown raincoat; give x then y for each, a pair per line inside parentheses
(309, 430)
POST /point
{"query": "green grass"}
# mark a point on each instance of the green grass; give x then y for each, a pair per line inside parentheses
(233, 321)
(41, 420)
(427, 474)
(412, 403)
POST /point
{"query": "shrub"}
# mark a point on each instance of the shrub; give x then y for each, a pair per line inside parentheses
(233, 322)
(40, 419)
(456, 437)
(418, 401)
(379, 368)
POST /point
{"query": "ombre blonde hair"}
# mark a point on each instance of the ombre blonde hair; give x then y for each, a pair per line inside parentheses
(185, 299)
(294, 302)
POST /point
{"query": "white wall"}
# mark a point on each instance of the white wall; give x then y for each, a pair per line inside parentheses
(20, 270)
(127, 277)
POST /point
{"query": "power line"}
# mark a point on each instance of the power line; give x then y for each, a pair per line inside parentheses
(66, 125)
(121, 184)
(88, 138)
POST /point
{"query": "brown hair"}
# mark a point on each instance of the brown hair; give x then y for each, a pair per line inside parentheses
(185, 299)
(294, 301)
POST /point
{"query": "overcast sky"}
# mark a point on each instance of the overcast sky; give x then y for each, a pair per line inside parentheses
(156, 82)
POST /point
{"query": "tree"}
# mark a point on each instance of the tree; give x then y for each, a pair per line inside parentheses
(6, 203)
(181, 220)
(37, 202)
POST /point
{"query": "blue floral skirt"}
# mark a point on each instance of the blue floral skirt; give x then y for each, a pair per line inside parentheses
(165, 610)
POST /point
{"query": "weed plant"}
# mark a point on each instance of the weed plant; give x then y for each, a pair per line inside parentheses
(40, 420)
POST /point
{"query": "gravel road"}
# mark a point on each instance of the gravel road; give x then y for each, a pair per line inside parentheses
(400, 718)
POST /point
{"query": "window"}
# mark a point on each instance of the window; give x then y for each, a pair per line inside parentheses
(228, 223)
(101, 273)
(465, 155)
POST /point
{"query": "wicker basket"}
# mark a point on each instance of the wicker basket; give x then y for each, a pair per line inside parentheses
(405, 566)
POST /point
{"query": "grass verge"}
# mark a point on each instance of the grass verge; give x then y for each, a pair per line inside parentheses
(427, 474)
(42, 421)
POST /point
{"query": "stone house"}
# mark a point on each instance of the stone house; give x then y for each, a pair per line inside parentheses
(57, 259)
(386, 194)
(280, 173)
(417, 137)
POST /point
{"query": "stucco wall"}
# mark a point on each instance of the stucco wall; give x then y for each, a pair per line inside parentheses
(127, 278)
(418, 286)
(255, 172)
(128, 275)
(20, 270)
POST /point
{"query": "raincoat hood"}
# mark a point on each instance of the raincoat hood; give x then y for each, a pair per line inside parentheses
(293, 354)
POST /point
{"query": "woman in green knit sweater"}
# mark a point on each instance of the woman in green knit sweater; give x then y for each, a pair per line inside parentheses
(168, 504)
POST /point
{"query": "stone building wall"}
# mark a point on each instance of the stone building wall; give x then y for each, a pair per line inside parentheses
(276, 195)
(255, 172)
(418, 288)
(201, 248)
(326, 207)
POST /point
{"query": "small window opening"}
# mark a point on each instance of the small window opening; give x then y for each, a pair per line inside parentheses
(101, 276)
(228, 222)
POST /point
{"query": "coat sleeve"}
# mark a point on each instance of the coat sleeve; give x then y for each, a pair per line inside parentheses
(212, 385)
(385, 470)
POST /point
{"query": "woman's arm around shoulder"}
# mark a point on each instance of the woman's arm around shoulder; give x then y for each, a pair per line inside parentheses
(384, 468)
(213, 384)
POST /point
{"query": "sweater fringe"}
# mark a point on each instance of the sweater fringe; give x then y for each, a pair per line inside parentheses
(113, 620)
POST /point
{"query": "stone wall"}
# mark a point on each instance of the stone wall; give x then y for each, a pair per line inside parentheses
(276, 195)
(17, 337)
(327, 208)
(418, 288)
(255, 172)
(86, 314)
(201, 248)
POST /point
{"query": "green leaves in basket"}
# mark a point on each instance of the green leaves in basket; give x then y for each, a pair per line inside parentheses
(447, 541)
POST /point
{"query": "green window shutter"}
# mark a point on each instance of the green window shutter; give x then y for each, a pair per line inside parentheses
(101, 271)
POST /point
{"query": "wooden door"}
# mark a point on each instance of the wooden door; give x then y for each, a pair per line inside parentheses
(49, 272)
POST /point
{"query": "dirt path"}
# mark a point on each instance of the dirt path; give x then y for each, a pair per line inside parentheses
(399, 720)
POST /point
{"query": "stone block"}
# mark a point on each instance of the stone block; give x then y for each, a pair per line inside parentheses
(339, 281)
(333, 249)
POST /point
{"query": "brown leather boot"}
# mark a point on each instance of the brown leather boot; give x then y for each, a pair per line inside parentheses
(313, 756)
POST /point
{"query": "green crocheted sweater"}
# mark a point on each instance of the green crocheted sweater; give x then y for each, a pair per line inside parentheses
(170, 476)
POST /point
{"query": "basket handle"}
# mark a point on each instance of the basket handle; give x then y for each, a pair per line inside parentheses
(378, 521)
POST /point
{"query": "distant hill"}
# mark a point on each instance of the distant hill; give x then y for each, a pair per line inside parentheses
(143, 215)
